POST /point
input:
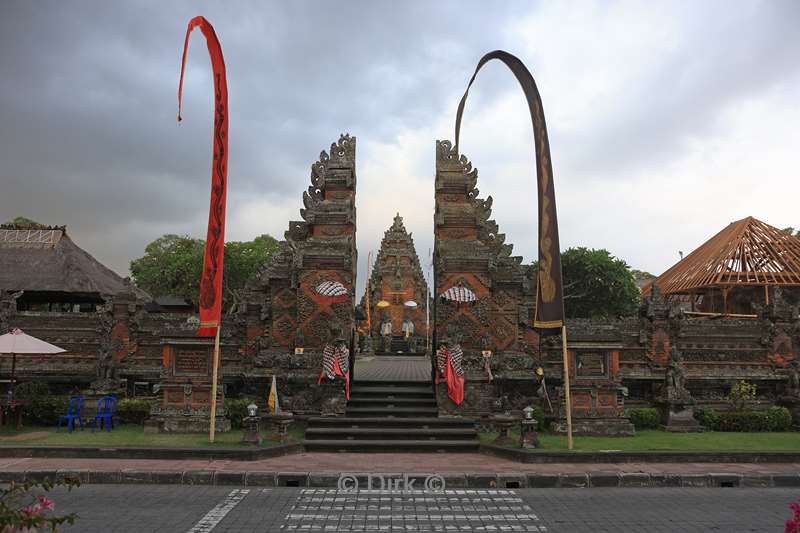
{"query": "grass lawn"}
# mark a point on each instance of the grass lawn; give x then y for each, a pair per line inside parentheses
(662, 440)
(132, 436)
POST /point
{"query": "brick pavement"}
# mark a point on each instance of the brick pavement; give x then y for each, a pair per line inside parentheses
(393, 368)
(384, 462)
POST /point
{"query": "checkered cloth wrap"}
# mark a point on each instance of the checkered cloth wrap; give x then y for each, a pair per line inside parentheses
(441, 360)
(457, 357)
(331, 355)
(336, 362)
(449, 368)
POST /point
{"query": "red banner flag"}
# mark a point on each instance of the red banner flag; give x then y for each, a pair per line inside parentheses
(211, 281)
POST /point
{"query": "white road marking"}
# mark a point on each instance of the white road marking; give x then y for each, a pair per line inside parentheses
(215, 515)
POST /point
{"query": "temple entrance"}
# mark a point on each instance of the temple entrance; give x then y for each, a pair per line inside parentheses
(394, 339)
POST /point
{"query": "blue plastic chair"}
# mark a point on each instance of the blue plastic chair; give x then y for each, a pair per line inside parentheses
(73, 414)
(106, 408)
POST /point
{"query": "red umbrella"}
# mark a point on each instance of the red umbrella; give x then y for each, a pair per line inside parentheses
(18, 342)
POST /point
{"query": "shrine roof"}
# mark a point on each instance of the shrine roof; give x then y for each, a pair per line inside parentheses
(46, 259)
(747, 252)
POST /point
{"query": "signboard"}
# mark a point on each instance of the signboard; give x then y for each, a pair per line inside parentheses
(192, 360)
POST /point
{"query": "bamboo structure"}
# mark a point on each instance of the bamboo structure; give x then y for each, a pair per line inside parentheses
(747, 253)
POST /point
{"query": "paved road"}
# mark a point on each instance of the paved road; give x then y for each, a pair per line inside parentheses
(186, 509)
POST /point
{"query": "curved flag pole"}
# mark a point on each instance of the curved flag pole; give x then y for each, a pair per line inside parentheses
(549, 315)
(211, 281)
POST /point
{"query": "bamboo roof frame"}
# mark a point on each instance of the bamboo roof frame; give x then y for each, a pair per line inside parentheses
(747, 252)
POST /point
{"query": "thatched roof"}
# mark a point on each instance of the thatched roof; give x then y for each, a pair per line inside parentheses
(746, 253)
(46, 259)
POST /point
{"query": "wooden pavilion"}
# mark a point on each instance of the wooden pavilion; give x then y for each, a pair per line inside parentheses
(734, 270)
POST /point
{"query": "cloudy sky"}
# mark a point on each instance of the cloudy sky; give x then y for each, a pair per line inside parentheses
(667, 120)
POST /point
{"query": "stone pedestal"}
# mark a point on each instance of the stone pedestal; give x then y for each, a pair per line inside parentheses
(598, 399)
(503, 424)
(252, 431)
(279, 424)
(367, 348)
(185, 390)
(530, 438)
(678, 416)
(333, 401)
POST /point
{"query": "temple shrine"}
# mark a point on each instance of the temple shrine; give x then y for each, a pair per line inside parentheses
(727, 312)
(397, 296)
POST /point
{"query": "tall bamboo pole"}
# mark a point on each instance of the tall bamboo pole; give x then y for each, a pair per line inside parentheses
(214, 375)
(366, 297)
(566, 385)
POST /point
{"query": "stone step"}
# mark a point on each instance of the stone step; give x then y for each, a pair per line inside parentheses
(348, 433)
(444, 446)
(394, 383)
(384, 390)
(392, 411)
(399, 401)
(382, 422)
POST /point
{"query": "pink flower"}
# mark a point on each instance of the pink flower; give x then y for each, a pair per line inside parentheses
(46, 502)
(32, 509)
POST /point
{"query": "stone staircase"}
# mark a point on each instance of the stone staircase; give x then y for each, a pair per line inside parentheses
(391, 417)
(399, 345)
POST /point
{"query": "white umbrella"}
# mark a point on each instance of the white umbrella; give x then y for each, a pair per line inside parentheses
(18, 342)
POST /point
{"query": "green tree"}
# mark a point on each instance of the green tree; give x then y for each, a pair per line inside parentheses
(172, 266)
(640, 277)
(597, 284)
(26, 223)
(791, 231)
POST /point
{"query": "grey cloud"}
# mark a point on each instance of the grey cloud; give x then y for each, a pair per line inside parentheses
(88, 100)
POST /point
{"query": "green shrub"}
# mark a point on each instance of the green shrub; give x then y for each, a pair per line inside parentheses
(707, 417)
(645, 418)
(742, 393)
(133, 411)
(237, 410)
(773, 419)
(742, 421)
(778, 419)
(45, 408)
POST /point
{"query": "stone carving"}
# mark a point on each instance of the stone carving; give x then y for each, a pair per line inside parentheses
(675, 378)
(319, 248)
(470, 250)
(793, 379)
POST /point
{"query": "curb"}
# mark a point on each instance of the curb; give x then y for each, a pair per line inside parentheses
(132, 452)
(640, 456)
(513, 454)
(452, 480)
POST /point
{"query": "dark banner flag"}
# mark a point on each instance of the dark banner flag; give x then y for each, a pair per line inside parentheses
(549, 288)
(211, 281)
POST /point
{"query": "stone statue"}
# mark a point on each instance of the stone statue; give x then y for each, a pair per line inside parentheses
(675, 378)
(386, 333)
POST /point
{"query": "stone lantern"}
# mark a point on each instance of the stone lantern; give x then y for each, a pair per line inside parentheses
(530, 439)
(252, 433)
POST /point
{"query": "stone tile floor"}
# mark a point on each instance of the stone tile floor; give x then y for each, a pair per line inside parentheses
(393, 368)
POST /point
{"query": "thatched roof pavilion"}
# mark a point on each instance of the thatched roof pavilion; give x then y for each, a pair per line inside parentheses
(735, 268)
(46, 264)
